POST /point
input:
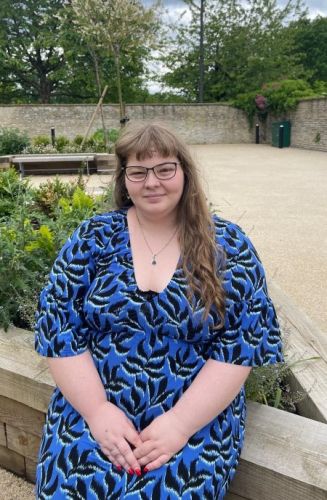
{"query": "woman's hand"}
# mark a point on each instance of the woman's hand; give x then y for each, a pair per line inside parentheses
(161, 440)
(114, 433)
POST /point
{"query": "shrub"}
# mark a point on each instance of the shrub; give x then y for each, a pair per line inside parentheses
(40, 149)
(97, 140)
(41, 141)
(281, 97)
(61, 143)
(78, 140)
(12, 141)
(34, 224)
(11, 189)
(48, 194)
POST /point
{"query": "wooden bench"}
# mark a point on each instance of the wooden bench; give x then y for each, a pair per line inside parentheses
(56, 163)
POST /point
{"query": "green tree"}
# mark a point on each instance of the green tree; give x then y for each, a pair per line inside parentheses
(121, 27)
(310, 44)
(32, 63)
(245, 45)
(44, 59)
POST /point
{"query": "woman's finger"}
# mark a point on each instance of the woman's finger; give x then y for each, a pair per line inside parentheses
(150, 457)
(158, 462)
(129, 456)
(144, 449)
(133, 438)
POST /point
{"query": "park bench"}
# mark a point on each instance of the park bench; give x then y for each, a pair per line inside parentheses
(54, 163)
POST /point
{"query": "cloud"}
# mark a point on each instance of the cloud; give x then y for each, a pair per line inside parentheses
(315, 7)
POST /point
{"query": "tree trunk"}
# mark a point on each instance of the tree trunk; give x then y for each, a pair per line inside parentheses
(118, 81)
(201, 55)
(44, 90)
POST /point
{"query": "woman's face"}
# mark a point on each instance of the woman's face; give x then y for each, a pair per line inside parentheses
(153, 195)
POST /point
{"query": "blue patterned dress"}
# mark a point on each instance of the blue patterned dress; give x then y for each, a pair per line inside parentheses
(148, 347)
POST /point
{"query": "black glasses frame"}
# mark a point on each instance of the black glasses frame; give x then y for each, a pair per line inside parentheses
(146, 170)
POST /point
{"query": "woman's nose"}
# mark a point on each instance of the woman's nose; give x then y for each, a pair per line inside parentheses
(151, 179)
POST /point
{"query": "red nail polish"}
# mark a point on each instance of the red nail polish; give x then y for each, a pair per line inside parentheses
(146, 469)
(130, 471)
(118, 467)
(138, 472)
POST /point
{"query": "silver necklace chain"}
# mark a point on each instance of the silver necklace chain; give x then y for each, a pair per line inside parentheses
(154, 255)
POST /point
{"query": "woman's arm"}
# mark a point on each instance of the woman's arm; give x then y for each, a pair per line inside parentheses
(80, 383)
(212, 390)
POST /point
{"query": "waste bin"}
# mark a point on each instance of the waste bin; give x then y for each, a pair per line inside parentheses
(281, 139)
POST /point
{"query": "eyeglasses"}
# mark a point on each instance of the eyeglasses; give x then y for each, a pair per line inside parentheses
(163, 171)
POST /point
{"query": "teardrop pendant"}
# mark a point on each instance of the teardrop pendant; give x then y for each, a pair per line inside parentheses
(154, 260)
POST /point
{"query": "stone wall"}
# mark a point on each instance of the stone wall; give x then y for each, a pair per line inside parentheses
(197, 124)
(309, 122)
(308, 125)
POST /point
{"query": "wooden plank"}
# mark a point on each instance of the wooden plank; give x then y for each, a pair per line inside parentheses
(20, 368)
(30, 467)
(303, 340)
(284, 457)
(258, 483)
(22, 442)
(50, 159)
(299, 320)
(232, 496)
(21, 416)
(24, 389)
(3, 439)
(12, 461)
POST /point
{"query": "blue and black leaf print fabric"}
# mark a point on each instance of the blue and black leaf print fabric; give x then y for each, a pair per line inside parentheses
(148, 347)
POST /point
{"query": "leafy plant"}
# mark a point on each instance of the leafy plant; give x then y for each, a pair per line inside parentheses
(34, 224)
(11, 188)
(43, 243)
(270, 384)
(48, 194)
(40, 149)
(281, 97)
(61, 142)
(12, 141)
(41, 144)
(41, 140)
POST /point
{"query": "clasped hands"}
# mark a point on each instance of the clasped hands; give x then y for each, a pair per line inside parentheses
(160, 441)
(153, 447)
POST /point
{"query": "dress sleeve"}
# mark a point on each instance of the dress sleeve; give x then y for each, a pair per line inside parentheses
(251, 335)
(60, 329)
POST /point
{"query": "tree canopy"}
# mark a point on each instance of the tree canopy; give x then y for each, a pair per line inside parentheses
(245, 45)
(44, 58)
(54, 51)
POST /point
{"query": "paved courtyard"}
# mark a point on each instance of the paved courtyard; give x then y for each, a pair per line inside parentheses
(279, 197)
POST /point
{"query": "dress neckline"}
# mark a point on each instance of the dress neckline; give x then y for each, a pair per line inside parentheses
(148, 293)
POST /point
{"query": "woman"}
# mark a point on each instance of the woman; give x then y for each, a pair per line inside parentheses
(151, 321)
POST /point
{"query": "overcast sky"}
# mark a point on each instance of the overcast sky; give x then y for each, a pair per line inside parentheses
(316, 7)
(176, 7)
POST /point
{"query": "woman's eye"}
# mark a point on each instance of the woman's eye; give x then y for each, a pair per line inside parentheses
(165, 169)
(136, 173)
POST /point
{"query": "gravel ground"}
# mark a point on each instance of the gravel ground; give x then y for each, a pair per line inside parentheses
(278, 196)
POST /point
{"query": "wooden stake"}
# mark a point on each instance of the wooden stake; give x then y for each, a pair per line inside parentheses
(94, 115)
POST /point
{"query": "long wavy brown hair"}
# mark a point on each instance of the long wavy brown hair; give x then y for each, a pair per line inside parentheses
(199, 251)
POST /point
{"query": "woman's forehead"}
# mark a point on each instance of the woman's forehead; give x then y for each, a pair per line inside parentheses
(145, 155)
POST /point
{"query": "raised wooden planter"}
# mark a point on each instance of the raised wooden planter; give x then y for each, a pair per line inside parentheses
(284, 456)
(303, 340)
